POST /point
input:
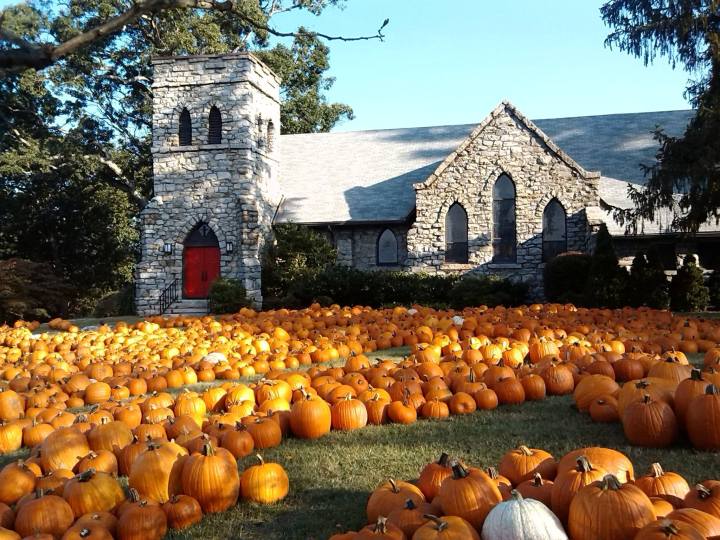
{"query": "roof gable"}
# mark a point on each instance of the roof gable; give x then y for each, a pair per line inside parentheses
(506, 108)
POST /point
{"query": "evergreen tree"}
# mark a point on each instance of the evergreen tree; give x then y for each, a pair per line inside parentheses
(607, 282)
(636, 294)
(657, 286)
(687, 290)
(714, 289)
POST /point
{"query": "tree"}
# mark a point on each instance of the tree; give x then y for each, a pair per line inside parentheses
(606, 281)
(656, 281)
(687, 290)
(636, 295)
(686, 175)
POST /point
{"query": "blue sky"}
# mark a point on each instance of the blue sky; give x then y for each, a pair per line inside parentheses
(452, 61)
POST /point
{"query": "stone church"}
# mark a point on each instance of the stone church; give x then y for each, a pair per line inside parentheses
(503, 196)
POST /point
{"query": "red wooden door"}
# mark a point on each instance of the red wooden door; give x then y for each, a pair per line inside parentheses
(201, 266)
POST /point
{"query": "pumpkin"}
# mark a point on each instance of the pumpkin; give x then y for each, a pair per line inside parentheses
(611, 461)
(156, 472)
(609, 510)
(592, 387)
(703, 419)
(705, 497)
(92, 491)
(102, 460)
(44, 514)
(568, 483)
(410, 517)
(522, 463)
(538, 489)
(377, 410)
(310, 418)
(88, 531)
(667, 529)
(401, 412)
(462, 403)
(63, 449)
(392, 495)
(558, 379)
(522, 519)
(706, 523)
(650, 423)
(509, 391)
(534, 387)
(468, 495)
(142, 521)
(16, 480)
(349, 414)
(7, 516)
(265, 433)
(264, 483)
(446, 528)
(435, 408)
(686, 391)
(486, 399)
(211, 479)
(380, 530)
(604, 409)
(105, 519)
(661, 507)
(432, 476)
(182, 511)
(667, 485)
(238, 441)
(11, 436)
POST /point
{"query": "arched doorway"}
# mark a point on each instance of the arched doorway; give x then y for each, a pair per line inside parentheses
(201, 261)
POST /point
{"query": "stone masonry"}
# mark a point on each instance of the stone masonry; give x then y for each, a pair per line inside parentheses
(231, 185)
(505, 142)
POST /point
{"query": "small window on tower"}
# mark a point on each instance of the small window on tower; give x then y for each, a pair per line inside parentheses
(214, 126)
(270, 134)
(185, 128)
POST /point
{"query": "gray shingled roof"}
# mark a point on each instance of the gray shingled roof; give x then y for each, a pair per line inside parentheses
(368, 176)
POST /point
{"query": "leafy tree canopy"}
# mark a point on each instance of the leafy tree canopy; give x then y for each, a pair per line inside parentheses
(686, 175)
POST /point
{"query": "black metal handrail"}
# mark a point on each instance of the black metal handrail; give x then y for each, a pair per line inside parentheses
(169, 296)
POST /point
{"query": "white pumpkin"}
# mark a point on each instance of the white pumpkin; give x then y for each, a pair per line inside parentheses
(522, 519)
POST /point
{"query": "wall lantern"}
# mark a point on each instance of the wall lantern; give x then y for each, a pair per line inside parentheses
(229, 247)
(167, 248)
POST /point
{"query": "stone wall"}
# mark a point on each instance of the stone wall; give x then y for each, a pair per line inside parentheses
(357, 245)
(232, 185)
(506, 142)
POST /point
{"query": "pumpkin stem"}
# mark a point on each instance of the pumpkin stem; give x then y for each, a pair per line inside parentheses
(525, 450)
(492, 472)
(515, 494)
(393, 486)
(260, 459)
(207, 449)
(610, 481)
(134, 495)
(712, 390)
(642, 384)
(669, 528)
(443, 459)
(656, 470)
(537, 480)
(84, 533)
(702, 491)
(646, 399)
(440, 525)
(86, 475)
(583, 464)
(458, 470)
(410, 505)
(696, 374)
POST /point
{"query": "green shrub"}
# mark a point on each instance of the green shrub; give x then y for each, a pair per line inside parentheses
(607, 281)
(116, 303)
(565, 277)
(713, 285)
(295, 251)
(31, 291)
(227, 295)
(487, 290)
(687, 289)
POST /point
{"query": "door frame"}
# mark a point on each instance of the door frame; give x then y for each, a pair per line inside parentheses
(211, 242)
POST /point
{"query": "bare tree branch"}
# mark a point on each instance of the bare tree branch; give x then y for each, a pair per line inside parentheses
(23, 54)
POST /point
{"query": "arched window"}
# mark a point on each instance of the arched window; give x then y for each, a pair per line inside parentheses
(185, 128)
(554, 233)
(456, 234)
(504, 237)
(270, 134)
(387, 248)
(214, 126)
